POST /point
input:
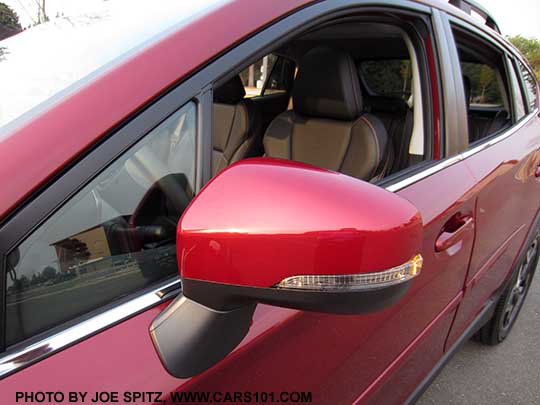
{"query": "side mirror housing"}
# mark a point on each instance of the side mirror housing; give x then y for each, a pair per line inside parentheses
(286, 234)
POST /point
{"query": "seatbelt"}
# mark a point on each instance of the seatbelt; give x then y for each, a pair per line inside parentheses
(401, 160)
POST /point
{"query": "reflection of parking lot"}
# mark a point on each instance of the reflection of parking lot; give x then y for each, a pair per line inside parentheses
(40, 311)
(79, 282)
(117, 269)
(505, 374)
(41, 307)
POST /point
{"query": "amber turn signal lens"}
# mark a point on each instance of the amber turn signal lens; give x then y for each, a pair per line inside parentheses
(355, 282)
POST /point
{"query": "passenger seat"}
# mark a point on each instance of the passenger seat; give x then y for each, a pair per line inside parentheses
(237, 130)
(397, 118)
(328, 126)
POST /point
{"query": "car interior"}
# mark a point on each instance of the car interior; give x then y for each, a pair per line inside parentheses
(346, 103)
(345, 96)
(488, 108)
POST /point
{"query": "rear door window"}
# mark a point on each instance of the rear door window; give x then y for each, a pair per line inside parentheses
(530, 86)
(518, 97)
(485, 86)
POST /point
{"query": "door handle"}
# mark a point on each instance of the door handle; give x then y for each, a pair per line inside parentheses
(453, 232)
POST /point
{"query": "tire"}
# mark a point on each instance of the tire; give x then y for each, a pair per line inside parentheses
(510, 303)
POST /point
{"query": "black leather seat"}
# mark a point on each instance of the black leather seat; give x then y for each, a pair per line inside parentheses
(237, 130)
(328, 126)
(397, 118)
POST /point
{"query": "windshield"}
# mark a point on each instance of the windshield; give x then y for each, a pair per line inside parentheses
(42, 63)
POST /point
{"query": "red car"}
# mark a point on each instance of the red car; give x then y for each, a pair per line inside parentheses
(290, 201)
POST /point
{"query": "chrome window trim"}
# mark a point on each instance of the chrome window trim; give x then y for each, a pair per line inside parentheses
(490, 142)
(22, 356)
(462, 156)
(12, 362)
(52, 344)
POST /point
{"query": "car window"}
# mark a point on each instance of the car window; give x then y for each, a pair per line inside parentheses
(114, 237)
(390, 78)
(530, 86)
(255, 76)
(281, 77)
(486, 86)
(518, 97)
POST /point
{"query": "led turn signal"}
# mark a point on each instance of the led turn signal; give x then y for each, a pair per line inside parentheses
(355, 282)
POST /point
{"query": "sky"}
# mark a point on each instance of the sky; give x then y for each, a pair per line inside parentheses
(513, 16)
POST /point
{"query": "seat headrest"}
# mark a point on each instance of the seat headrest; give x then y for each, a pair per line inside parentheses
(386, 104)
(327, 86)
(230, 92)
(467, 89)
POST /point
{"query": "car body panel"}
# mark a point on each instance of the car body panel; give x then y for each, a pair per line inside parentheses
(506, 186)
(112, 97)
(339, 358)
(280, 352)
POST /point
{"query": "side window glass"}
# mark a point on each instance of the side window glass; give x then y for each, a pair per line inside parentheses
(485, 83)
(519, 104)
(281, 77)
(485, 89)
(390, 78)
(255, 76)
(530, 86)
(114, 237)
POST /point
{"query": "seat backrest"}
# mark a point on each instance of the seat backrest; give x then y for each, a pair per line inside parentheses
(328, 127)
(235, 119)
(480, 127)
(397, 118)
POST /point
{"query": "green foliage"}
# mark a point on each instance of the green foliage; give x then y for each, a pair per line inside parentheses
(388, 77)
(530, 47)
(484, 84)
(48, 273)
(9, 22)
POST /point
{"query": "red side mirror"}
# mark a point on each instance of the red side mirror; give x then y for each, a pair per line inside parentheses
(286, 234)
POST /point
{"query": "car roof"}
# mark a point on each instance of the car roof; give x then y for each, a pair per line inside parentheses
(104, 92)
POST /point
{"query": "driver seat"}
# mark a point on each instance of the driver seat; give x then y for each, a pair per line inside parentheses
(237, 131)
(328, 126)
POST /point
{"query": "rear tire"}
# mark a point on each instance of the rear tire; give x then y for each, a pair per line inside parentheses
(511, 301)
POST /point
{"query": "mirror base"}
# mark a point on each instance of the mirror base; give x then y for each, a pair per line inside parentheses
(190, 338)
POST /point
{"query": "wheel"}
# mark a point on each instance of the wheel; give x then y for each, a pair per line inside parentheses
(511, 301)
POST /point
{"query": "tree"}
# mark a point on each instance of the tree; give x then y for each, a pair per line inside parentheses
(530, 47)
(9, 22)
(48, 273)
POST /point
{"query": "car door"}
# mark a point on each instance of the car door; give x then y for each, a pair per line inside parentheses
(341, 358)
(503, 164)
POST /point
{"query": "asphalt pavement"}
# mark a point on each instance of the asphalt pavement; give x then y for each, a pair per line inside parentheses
(505, 374)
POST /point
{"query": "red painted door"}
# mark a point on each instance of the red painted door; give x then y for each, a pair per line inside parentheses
(508, 199)
(430, 306)
(379, 357)
(503, 161)
(336, 357)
